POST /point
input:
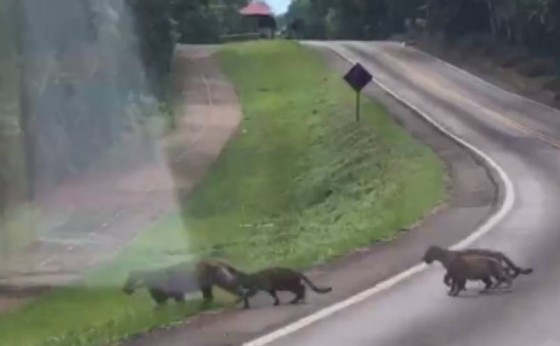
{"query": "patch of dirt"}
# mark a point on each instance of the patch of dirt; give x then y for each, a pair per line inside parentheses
(12, 298)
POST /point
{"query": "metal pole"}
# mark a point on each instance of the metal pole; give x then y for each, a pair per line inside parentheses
(358, 106)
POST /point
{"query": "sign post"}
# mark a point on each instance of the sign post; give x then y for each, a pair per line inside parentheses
(358, 78)
(358, 106)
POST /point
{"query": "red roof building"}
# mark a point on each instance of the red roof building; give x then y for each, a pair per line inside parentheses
(262, 18)
(257, 8)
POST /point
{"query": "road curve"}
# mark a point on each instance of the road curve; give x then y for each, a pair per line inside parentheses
(523, 138)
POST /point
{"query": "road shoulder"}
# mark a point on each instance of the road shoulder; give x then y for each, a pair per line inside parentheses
(473, 197)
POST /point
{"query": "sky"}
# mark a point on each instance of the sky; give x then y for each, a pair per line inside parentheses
(278, 6)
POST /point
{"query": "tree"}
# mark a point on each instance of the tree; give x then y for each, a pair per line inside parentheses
(532, 23)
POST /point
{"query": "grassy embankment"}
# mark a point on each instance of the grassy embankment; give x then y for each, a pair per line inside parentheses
(301, 184)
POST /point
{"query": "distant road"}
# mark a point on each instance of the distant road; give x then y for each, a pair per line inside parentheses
(523, 138)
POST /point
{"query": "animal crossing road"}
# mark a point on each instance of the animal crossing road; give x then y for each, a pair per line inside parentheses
(523, 138)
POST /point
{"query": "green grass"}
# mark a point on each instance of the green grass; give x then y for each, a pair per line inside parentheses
(301, 184)
(305, 182)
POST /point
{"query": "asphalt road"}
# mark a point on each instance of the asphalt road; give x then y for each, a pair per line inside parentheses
(524, 139)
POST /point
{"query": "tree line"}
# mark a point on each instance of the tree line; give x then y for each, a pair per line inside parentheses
(531, 23)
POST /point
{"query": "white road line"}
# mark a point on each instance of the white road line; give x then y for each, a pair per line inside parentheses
(505, 208)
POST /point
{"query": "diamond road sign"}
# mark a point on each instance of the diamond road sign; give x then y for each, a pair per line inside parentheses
(358, 77)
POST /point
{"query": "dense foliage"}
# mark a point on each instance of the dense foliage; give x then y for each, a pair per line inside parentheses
(532, 23)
